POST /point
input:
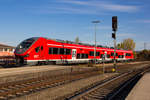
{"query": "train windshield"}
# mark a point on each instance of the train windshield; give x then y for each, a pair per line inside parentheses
(27, 43)
(23, 46)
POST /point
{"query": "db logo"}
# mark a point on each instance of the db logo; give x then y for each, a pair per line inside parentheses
(36, 56)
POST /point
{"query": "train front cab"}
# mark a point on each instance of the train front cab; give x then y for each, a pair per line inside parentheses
(24, 50)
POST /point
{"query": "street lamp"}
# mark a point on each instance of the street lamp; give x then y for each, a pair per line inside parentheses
(95, 22)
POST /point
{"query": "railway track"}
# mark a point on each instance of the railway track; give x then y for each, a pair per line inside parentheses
(107, 89)
(15, 89)
(20, 88)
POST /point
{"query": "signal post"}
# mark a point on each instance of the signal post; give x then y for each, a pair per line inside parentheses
(114, 28)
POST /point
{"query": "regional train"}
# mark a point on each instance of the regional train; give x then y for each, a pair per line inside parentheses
(40, 50)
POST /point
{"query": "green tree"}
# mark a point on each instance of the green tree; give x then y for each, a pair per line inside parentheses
(77, 40)
(127, 44)
(119, 46)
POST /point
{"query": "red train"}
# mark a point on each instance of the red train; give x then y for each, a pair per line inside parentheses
(37, 50)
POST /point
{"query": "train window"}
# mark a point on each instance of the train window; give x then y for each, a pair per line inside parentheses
(27, 43)
(41, 47)
(128, 54)
(86, 55)
(50, 50)
(78, 56)
(116, 54)
(82, 55)
(97, 53)
(55, 50)
(91, 53)
(108, 56)
(119, 56)
(68, 51)
(61, 51)
(102, 55)
(112, 54)
(37, 49)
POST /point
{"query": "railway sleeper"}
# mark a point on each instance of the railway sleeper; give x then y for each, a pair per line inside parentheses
(2, 91)
(6, 89)
(94, 97)
(37, 88)
(25, 92)
(3, 98)
(19, 93)
(11, 96)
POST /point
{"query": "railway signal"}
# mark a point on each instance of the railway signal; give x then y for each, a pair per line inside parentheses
(114, 28)
(113, 35)
(114, 23)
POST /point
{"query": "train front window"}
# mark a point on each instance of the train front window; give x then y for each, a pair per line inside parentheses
(26, 44)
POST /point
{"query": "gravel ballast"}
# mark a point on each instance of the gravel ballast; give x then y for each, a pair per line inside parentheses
(55, 92)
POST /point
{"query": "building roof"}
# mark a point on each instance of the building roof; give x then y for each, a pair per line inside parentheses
(6, 46)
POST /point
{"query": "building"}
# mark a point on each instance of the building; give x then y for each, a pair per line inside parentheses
(6, 50)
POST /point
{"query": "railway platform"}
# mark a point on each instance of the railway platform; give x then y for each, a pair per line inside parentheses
(141, 90)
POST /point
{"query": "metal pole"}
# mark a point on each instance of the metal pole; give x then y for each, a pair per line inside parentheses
(115, 51)
(144, 46)
(103, 64)
(95, 46)
(95, 22)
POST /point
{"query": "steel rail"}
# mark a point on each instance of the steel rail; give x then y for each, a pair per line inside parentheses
(21, 88)
(127, 83)
(102, 89)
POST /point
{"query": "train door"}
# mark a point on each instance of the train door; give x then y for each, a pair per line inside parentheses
(42, 52)
(42, 49)
(73, 54)
(124, 57)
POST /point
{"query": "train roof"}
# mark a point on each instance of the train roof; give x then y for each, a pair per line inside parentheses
(83, 44)
(71, 42)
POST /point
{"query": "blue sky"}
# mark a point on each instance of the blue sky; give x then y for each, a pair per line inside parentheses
(67, 19)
